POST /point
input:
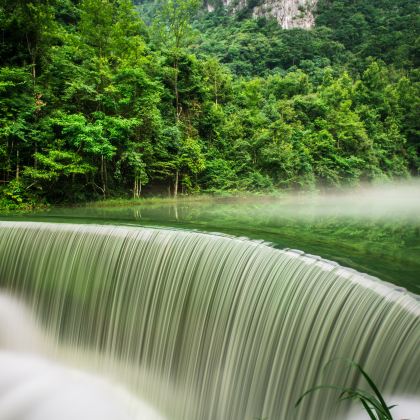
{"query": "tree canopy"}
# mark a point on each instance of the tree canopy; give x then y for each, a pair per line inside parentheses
(94, 102)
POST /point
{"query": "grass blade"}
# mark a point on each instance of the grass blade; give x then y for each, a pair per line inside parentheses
(373, 403)
(374, 388)
(368, 410)
(316, 388)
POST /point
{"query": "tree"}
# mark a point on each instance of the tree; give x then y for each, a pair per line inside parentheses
(175, 16)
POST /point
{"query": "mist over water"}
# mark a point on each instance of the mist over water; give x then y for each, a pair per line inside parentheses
(390, 201)
(35, 386)
(18, 328)
(400, 201)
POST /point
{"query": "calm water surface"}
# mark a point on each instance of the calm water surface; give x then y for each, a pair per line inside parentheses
(376, 231)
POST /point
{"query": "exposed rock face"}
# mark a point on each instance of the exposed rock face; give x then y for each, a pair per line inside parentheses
(289, 13)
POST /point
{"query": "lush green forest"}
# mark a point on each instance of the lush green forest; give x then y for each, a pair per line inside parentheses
(346, 34)
(103, 98)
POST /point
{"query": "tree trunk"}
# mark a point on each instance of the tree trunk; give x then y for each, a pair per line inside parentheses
(178, 112)
(34, 74)
(137, 187)
(9, 159)
(103, 176)
(17, 165)
(176, 183)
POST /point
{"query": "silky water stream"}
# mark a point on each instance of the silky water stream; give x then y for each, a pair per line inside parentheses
(107, 322)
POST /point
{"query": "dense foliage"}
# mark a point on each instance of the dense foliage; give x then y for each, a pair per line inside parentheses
(94, 103)
(347, 33)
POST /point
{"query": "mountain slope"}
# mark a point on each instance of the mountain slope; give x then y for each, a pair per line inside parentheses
(345, 33)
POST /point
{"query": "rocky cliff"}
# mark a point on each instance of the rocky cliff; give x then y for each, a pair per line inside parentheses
(289, 13)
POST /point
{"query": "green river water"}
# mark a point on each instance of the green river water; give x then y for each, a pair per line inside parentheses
(372, 232)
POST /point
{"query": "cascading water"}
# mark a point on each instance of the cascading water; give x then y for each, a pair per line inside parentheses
(33, 388)
(207, 326)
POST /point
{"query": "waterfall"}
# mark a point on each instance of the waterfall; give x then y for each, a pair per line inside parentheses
(208, 326)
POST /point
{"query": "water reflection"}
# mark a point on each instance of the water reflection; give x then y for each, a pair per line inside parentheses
(374, 230)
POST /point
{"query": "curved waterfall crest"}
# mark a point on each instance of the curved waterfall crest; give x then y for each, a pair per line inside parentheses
(219, 327)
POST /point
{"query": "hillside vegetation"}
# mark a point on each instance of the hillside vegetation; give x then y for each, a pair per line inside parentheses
(94, 102)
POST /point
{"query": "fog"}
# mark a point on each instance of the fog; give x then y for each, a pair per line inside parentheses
(34, 386)
(387, 201)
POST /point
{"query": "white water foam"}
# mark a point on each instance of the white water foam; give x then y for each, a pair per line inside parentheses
(407, 408)
(35, 388)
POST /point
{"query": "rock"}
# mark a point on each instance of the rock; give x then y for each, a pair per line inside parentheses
(288, 13)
